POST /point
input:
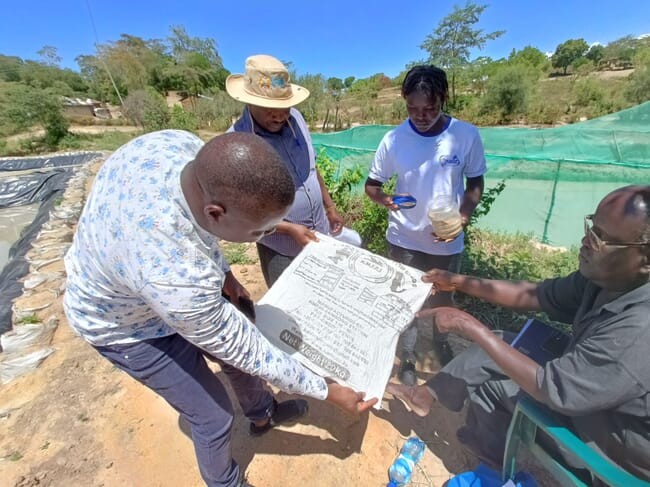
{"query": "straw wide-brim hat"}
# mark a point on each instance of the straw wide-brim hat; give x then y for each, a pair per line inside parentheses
(266, 84)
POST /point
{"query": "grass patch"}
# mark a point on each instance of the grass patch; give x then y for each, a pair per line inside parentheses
(14, 456)
(109, 140)
(29, 319)
(237, 253)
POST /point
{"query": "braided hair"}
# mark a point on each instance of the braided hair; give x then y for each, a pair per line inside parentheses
(428, 80)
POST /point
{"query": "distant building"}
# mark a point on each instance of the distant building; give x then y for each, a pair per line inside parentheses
(77, 107)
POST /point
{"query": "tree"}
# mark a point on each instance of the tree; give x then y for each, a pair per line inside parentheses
(347, 82)
(622, 49)
(314, 105)
(49, 55)
(146, 108)
(25, 106)
(478, 73)
(595, 54)
(334, 90)
(10, 68)
(530, 56)
(568, 52)
(450, 43)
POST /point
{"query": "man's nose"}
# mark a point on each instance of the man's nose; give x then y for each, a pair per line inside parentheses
(280, 116)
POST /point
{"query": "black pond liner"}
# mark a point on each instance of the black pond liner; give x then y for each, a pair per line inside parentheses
(44, 187)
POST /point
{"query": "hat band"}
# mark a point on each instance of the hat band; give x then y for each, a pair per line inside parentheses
(271, 87)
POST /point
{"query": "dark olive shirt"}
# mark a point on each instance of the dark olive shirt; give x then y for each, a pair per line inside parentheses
(602, 380)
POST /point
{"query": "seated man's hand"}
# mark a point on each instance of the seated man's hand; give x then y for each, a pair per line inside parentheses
(441, 280)
(347, 399)
(452, 320)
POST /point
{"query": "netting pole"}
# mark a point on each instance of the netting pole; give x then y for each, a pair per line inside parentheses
(551, 206)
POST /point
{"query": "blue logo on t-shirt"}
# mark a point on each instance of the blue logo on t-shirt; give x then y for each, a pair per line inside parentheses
(449, 161)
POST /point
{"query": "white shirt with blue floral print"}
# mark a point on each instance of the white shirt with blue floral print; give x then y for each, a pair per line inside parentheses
(140, 267)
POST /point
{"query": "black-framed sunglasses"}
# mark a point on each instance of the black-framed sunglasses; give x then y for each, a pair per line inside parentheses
(597, 244)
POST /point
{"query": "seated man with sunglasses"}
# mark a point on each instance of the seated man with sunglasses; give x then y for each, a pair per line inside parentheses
(600, 383)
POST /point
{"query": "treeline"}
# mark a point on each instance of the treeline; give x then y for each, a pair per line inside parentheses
(136, 74)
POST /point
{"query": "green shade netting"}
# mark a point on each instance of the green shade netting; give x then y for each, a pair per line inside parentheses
(553, 176)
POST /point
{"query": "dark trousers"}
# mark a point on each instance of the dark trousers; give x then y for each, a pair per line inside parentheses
(424, 262)
(272, 263)
(176, 370)
(473, 375)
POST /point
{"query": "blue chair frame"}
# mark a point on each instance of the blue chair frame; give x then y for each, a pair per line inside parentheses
(531, 416)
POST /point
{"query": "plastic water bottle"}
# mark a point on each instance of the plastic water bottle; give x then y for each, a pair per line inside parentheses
(401, 470)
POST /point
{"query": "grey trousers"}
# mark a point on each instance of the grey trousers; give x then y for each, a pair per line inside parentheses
(474, 377)
(424, 262)
(492, 396)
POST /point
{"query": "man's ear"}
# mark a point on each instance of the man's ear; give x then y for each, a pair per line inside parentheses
(213, 212)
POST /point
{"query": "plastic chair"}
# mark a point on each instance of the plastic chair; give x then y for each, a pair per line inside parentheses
(528, 418)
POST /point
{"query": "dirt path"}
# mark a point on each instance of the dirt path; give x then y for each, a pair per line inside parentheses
(78, 421)
(77, 129)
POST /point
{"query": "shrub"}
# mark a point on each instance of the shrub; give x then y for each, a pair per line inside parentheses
(339, 183)
(637, 89)
(495, 255)
(182, 119)
(146, 108)
(508, 92)
(587, 92)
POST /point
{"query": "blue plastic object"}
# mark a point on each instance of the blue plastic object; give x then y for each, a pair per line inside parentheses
(414, 447)
(404, 201)
(484, 476)
(401, 470)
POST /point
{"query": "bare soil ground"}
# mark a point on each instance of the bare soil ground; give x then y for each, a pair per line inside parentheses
(78, 421)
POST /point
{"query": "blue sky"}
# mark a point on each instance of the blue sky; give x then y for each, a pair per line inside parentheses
(332, 37)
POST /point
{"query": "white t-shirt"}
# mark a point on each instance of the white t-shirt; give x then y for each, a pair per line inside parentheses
(426, 166)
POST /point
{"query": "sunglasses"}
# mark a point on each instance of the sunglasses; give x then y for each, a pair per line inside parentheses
(597, 244)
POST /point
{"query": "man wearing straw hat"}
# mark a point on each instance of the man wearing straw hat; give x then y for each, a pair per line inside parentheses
(269, 95)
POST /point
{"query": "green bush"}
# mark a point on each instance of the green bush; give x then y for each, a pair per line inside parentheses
(517, 257)
(637, 89)
(372, 226)
(339, 183)
(147, 108)
(588, 91)
(182, 119)
(508, 92)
